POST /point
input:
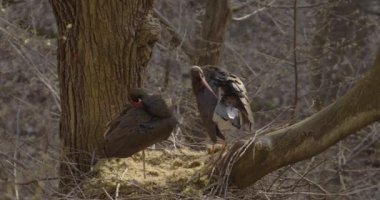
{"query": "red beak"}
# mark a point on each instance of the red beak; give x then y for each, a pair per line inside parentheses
(204, 82)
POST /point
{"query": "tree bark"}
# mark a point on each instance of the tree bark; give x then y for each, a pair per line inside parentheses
(207, 46)
(103, 49)
(214, 26)
(253, 159)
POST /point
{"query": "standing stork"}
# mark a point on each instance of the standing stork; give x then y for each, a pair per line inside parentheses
(142, 123)
(222, 101)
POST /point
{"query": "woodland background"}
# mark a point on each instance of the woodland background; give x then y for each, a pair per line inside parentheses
(336, 42)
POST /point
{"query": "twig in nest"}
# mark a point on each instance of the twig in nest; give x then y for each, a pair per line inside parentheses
(107, 194)
(118, 184)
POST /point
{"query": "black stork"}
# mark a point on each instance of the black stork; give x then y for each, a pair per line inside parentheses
(143, 122)
(222, 101)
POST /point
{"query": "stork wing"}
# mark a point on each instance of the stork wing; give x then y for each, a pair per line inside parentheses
(120, 137)
(234, 92)
(157, 106)
(134, 130)
(227, 117)
(114, 123)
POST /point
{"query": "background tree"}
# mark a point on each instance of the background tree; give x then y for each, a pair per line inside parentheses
(103, 49)
(214, 25)
(332, 39)
(203, 46)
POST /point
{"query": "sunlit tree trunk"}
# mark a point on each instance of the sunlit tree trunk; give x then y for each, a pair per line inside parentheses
(103, 49)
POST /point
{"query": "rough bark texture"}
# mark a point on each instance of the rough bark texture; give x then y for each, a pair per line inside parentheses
(103, 49)
(355, 110)
(214, 26)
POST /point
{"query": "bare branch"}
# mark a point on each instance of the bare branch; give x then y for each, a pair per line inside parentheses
(295, 103)
(177, 38)
(16, 154)
(254, 12)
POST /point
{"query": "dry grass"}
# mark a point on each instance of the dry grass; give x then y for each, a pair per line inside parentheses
(169, 172)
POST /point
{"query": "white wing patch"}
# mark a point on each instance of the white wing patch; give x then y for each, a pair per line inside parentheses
(232, 112)
(227, 117)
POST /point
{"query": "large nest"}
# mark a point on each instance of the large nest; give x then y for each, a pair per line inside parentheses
(169, 173)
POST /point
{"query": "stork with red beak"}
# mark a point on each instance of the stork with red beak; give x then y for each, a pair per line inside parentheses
(222, 101)
(142, 123)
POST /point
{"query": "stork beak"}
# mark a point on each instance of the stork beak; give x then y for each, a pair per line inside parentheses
(196, 72)
(204, 82)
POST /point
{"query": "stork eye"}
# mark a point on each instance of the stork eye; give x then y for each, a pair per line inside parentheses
(133, 98)
(136, 99)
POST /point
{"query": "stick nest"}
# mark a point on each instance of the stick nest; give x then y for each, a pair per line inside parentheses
(169, 173)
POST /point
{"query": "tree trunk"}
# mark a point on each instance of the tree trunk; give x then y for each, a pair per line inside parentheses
(205, 49)
(103, 49)
(253, 159)
(214, 27)
(208, 45)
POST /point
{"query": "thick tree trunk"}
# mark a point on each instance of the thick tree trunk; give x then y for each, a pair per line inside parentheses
(251, 160)
(103, 49)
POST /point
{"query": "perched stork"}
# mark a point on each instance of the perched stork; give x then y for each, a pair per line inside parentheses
(142, 123)
(222, 100)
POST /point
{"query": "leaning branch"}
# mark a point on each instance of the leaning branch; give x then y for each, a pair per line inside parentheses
(268, 152)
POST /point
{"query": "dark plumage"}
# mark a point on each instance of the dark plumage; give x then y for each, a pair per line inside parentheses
(142, 123)
(222, 100)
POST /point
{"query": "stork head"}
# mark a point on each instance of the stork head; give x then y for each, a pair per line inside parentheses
(136, 96)
(197, 73)
(198, 79)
